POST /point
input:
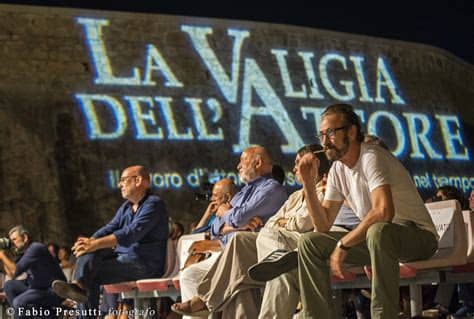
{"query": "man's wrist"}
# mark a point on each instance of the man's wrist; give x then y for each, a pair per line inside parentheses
(341, 245)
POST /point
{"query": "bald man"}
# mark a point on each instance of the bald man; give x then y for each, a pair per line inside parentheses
(252, 206)
(138, 231)
(222, 193)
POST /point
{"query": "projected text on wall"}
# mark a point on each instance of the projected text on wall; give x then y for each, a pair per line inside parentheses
(291, 100)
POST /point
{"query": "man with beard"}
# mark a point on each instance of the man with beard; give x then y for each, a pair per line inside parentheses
(138, 234)
(395, 224)
(34, 293)
(227, 287)
(259, 199)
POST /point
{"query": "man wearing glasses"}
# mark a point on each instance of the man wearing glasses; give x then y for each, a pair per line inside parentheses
(138, 231)
(395, 224)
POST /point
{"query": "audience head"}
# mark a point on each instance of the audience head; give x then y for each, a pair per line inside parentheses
(340, 128)
(20, 237)
(177, 230)
(134, 183)
(447, 192)
(323, 161)
(223, 191)
(471, 200)
(254, 162)
(64, 253)
(278, 173)
(53, 249)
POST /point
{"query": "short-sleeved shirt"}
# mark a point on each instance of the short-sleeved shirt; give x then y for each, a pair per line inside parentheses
(141, 235)
(41, 268)
(376, 167)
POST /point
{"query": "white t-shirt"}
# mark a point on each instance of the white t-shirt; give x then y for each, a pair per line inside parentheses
(376, 167)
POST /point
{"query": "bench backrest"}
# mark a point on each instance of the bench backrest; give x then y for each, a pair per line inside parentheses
(452, 246)
(469, 223)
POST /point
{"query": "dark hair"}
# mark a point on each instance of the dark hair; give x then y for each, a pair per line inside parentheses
(452, 192)
(278, 173)
(350, 117)
(323, 161)
(67, 250)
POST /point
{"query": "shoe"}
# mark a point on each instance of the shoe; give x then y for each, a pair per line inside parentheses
(187, 310)
(276, 263)
(69, 291)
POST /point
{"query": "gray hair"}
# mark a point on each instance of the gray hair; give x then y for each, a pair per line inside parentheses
(20, 229)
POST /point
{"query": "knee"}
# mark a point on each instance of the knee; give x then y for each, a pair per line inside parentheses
(379, 235)
(8, 286)
(311, 242)
(263, 235)
(17, 302)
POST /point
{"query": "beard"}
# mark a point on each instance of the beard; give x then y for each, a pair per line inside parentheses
(247, 175)
(334, 153)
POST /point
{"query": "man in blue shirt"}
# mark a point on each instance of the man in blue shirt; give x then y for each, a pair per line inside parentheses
(252, 206)
(222, 192)
(32, 296)
(138, 231)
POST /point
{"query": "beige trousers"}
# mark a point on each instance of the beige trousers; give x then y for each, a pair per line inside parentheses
(226, 287)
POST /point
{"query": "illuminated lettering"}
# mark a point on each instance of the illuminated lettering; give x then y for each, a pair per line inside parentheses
(421, 136)
(140, 117)
(102, 67)
(308, 66)
(315, 112)
(285, 75)
(396, 124)
(323, 73)
(173, 134)
(450, 137)
(361, 114)
(255, 79)
(385, 79)
(155, 62)
(200, 124)
(198, 37)
(365, 97)
(88, 108)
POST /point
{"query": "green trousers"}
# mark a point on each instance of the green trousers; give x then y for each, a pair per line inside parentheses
(386, 244)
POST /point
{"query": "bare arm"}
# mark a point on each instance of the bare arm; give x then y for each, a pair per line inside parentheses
(211, 208)
(382, 211)
(322, 214)
(8, 265)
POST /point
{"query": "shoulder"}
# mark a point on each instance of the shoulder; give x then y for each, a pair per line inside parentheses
(37, 248)
(273, 185)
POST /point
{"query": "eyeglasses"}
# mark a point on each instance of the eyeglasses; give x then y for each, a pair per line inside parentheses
(124, 178)
(330, 132)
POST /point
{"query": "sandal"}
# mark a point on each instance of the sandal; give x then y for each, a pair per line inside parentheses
(187, 310)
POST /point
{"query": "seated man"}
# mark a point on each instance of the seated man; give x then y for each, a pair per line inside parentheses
(259, 199)
(222, 193)
(41, 268)
(395, 224)
(139, 233)
(228, 289)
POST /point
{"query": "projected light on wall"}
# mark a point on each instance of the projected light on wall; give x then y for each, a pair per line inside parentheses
(282, 91)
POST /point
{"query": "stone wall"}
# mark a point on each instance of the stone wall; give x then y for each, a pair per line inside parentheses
(53, 172)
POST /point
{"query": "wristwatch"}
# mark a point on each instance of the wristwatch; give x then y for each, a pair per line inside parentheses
(341, 245)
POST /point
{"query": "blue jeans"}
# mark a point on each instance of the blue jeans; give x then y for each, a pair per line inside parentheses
(105, 267)
(25, 300)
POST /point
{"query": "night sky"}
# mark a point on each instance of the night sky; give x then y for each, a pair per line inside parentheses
(446, 24)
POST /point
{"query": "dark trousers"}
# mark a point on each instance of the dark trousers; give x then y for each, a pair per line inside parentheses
(29, 302)
(105, 267)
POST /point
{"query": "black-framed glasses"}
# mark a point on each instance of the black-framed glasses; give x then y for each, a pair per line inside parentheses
(124, 178)
(330, 132)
